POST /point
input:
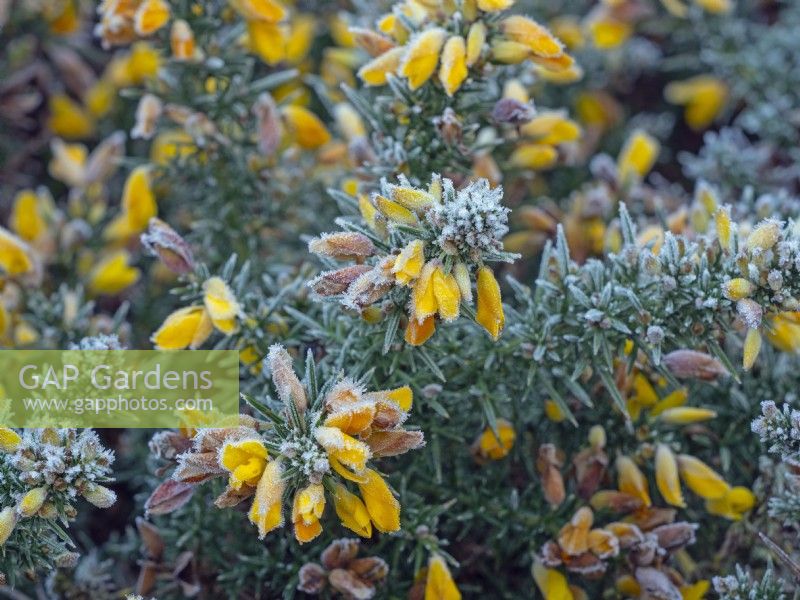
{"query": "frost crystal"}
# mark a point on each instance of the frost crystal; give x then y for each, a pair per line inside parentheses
(779, 429)
(471, 221)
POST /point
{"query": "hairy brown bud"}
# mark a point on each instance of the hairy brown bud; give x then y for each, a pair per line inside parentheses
(512, 112)
(163, 242)
(332, 283)
(690, 364)
(343, 245)
(288, 386)
(312, 579)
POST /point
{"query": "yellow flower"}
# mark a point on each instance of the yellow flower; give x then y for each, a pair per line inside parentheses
(309, 504)
(100, 98)
(349, 121)
(266, 512)
(113, 274)
(66, 21)
(551, 583)
(68, 119)
(631, 480)
(308, 131)
(536, 157)
(529, 33)
(394, 211)
(494, 5)
(351, 511)
(446, 293)
(68, 163)
(453, 71)
(408, 264)
(221, 305)
(422, 57)
(32, 501)
(26, 218)
(476, 38)
(752, 347)
(703, 96)
(417, 333)
(259, 10)
(733, 504)
(138, 206)
(722, 220)
(700, 478)
(489, 446)
(439, 584)
(141, 64)
(151, 16)
(268, 40)
(608, 32)
(738, 288)
(667, 478)
(684, 415)
(489, 310)
(8, 519)
(637, 156)
(181, 41)
(171, 145)
(245, 460)
(382, 506)
(300, 38)
(764, 236)
(783, 331)
(343, 451)
(9, 439)
(375, 71)
(695, 591)
(715, 6)
(186, 327)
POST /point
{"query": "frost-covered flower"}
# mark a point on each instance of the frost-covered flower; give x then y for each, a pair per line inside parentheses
(321, 439)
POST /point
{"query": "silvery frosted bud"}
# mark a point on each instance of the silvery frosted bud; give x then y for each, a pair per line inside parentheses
(513, 112)
(269, 129)
(344, 245)
(750, 312)
(690, 364)
(655, 335)
(331, 283)
(312, 578)
(775, 280)
(163, 242)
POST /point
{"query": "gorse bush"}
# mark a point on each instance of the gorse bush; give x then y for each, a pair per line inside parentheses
(515, 287)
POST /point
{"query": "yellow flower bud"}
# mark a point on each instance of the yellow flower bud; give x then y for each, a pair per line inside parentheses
(181, 39)
(439, 584)
(667, 479)
(684, 415)
(68, 119)
(752, 347)
(266, 512)
(738, 288)
(536, 157)
(259, 10)
(32, 501)
(764, 236)
(489, 311)
(494, 5)
(446, 292)
(9, 439)
(631, 480)
(394, 211)
(476, 39)
(8, 519)
(736, 501)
